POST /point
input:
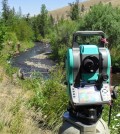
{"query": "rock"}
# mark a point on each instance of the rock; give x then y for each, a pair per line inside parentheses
(20, 74)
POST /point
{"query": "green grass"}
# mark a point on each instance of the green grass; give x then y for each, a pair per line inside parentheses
(49, 97)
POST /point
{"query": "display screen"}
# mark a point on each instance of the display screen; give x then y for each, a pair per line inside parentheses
(89, 94)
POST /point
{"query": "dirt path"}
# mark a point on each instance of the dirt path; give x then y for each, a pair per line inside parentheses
(15, 116)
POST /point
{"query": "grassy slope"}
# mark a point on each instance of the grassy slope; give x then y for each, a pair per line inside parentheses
(15, 117)
(63, 11)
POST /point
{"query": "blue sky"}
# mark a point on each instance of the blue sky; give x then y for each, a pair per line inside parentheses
(33, 6)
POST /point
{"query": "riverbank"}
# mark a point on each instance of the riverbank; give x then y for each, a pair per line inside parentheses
(15, 116)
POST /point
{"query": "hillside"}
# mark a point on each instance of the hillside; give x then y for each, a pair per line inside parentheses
(58, 13)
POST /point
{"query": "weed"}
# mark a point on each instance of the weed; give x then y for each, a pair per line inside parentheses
(1, 126)
(16, 126)
(16, 107)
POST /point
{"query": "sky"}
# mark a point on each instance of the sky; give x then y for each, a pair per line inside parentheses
(33, 6)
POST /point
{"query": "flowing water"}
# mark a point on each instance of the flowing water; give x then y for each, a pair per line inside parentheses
(34, 60)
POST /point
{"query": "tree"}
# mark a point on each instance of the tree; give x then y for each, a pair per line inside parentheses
(5, 8)
(61, 38)
(27, 18)
(43, 18)
(20, 12)
(23, 31)
(3, 33)
(8, 15)
(51, 21)
(82, 8)
(74, 13)
(105, 18)
(34, 25)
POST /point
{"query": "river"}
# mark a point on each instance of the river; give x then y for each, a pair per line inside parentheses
(34, 60)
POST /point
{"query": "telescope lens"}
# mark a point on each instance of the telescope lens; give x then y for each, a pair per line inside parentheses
(91, 64)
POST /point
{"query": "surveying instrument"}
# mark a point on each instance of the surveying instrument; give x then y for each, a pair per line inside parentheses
(88, 69)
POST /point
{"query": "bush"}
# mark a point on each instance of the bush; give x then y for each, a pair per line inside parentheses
(115, 56)
(23, 31)
(61, 38)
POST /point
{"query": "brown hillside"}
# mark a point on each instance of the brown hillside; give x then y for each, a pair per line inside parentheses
(58, 13)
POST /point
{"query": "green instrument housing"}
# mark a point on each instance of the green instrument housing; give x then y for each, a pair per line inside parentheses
(103, 56)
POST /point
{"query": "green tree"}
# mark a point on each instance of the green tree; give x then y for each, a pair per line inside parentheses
(61, 38)
(43, 18)
(3, 33)
(8, 15)
(82, 8)
(5, 9)
(27, 18)
(34, 25)
(23, 31)
(51, 21)
(105, 18)
(74, 13)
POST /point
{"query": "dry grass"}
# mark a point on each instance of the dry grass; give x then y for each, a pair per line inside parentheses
(15, 117)
(58, 13)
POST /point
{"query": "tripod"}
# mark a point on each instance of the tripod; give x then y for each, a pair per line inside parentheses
(73, 126)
